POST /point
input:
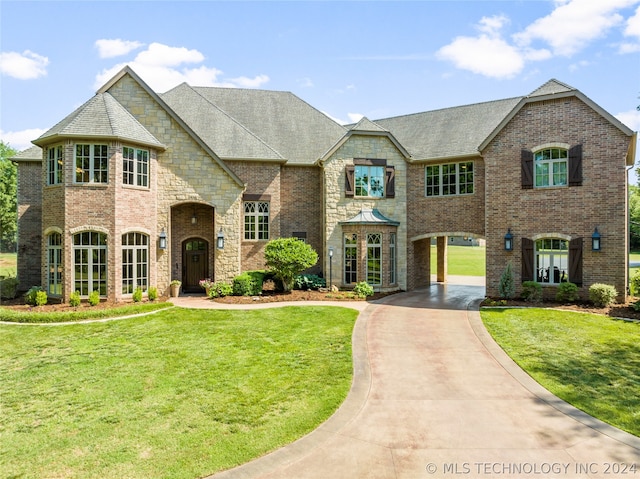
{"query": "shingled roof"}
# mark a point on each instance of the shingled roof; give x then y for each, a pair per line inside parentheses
(101, 117)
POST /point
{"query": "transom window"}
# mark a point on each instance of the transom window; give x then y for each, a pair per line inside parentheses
(135, 166)
(374, 258)
(90, 262)
(370, 181)
(449, 179)
(135, 262)
(551, 167)
(350, 258)
(54, 264)
(552, 260)
(54, 166)
(92, 164)
(256, 220)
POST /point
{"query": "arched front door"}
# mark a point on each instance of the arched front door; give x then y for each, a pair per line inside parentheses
(195, 259)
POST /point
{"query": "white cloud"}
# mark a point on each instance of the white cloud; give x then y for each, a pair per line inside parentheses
(23, 66)
(116, 47)
(21, 140)
(633, 25)
(630, 118)
(355, 117)
(162, 67)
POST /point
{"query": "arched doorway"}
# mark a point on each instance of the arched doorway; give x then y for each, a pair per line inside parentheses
(195, 254)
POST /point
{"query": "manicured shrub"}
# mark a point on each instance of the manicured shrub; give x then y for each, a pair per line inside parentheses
(219, 289)
(74, 299)
(248, 283)
(41, 298)
(8, 287)
(567, 293)
(309, 281)
(94, 298)
(288, 257)
(602, 294)
(531, 291)
(152, 293)
(634, 284)
(30, 296)
(137, 295)
(363, 289)
(507, 286)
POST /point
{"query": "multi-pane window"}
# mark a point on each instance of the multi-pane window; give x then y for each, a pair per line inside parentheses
(369, 181)
(135, 166)
(92, 164)
(350, 258)
(374, 258)
(135, 262)
(551, 167)
(552, 260)
(54, 264)
(256, 220)
(393, 259)
(54, 166)
(90, 262)
(449, 179)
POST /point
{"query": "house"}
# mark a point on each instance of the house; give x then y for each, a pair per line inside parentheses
(136, 188)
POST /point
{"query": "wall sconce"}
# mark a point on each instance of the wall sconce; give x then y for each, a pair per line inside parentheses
(162, 240)
(220, 240)
(330, 266)
(194, 219)
(508, 241)
(595, 240)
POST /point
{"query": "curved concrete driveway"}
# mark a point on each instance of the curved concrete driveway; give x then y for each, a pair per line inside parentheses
(433, 396)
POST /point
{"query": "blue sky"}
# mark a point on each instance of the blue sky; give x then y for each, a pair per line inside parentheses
(347, 59)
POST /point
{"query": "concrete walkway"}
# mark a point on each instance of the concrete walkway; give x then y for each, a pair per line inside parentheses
(434, 396)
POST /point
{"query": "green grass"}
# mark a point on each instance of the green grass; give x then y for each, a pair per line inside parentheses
(8, 264)
(178, 394)
(82, 312)
(588, 360)
(462, 260)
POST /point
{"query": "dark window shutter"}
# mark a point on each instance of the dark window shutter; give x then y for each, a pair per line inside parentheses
(527, 259)
(575, 261)
(390, 190)
(349, 190)
(526, 164)
(575, 165)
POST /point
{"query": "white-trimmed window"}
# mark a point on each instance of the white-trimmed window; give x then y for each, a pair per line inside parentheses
(256, 220)
(370, 181)
(552, 260)
(92, 163)
(135, 166)
(350, 258)
(449, 179)
(135, 262)
(551, 167)
(374, 258)
(393, 259)
(54, 264)
(90, 262)
(55, 163)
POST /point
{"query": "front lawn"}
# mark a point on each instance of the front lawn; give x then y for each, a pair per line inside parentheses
(588, 360)
(462, 260)
(178, 394)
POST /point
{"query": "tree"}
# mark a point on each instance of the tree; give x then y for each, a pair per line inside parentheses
(288, 257)
(634, 216)
(8, 199)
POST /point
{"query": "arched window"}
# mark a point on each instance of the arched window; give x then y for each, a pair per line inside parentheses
(135, 262)
(54, 264)
(552, 260)
(551, 167)
(90, 262)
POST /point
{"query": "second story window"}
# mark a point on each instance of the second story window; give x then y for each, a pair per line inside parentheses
(54, 166)
(449, 179)
(369, 181)
(135, 166)
(551, 167)
(369, 178)
(92, 164)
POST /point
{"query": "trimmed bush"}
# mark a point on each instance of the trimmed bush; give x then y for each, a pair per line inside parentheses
(41, 298)
(248, 283)
(30, 296)
(634, 283)
(8, 287)
(94, 298)
(74, 299)
(220, 289)
(507, 286)
(602, 294)
(567, 293)
(531, 291)
(363, 289)
(309, 281)
(152, 293)
(137, 295)
(288, 257)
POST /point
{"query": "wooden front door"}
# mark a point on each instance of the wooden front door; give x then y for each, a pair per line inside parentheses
(195, 259)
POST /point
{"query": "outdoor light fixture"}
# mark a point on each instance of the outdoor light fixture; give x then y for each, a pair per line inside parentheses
(595, 240)
(220, 240)
(330, 266)
(162, 241)
(508, 241)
